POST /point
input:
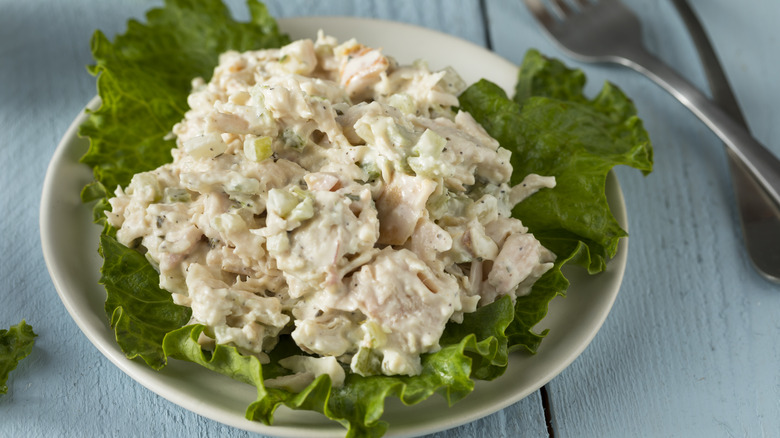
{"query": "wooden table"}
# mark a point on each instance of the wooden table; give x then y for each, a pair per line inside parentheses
(689, 349)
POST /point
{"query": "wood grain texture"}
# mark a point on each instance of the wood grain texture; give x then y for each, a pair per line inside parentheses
(690, 346)
(66, 388)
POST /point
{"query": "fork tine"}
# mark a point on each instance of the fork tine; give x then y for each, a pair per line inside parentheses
(539, 10)
(561, 8)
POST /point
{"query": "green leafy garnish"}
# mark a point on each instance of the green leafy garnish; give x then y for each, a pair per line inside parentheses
(553, 129)
(144, 78)
(140, 313)
(16, 343)
(550, 126)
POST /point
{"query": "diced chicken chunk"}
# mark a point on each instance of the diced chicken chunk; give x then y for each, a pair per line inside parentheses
(409, 301)
(240, 318)
(522, 258)
(400, 206)
(360, 68)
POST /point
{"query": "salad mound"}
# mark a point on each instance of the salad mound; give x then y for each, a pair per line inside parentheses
(297, 207)
(324, 191)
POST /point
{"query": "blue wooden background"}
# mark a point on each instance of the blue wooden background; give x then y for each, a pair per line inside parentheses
(689, 349)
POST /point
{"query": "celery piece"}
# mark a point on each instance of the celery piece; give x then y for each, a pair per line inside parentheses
(258, 148)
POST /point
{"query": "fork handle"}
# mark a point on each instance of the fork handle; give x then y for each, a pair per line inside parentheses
(758, 160)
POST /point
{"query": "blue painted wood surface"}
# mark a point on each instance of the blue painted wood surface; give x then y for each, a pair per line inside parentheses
(689, 348)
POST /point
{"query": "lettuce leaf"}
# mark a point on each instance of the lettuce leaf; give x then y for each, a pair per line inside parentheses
(16, 343)
(552, 128)
(144, 79)
(140, 313)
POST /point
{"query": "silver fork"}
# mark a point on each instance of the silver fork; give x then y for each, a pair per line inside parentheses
(607, 31)
(759, 217)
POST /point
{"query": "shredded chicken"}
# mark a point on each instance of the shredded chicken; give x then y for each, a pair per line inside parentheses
(325, 192)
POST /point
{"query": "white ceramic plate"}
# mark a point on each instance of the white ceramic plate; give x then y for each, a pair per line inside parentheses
(70, 241)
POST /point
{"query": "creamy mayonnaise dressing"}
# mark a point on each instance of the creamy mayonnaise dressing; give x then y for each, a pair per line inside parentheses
(322, 190)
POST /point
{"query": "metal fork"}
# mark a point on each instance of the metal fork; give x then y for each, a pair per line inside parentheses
(760, 218)
(607, 31)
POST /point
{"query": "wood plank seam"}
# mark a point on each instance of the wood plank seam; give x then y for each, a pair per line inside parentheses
(546, 405)
(485, 24)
